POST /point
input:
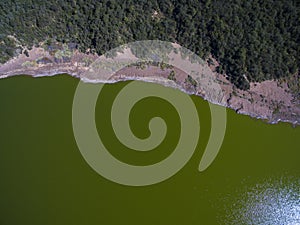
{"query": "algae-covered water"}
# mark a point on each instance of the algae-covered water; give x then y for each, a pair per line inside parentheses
(255, 178)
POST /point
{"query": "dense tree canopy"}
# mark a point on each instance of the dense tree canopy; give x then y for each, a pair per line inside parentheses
(253, 40)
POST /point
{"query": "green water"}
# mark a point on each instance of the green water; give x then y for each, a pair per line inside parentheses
(45, 180)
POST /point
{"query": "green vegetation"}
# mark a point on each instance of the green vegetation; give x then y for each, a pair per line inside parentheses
(164, 66)
(171, 76)
(189, 80)
(87, 61)
(63, 53)
(253, 40)
(7, 48)
(293, 83)
(29, 64)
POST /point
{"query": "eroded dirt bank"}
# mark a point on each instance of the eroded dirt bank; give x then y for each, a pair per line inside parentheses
(271, 100)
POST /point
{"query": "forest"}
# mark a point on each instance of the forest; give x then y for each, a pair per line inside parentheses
(253, 40)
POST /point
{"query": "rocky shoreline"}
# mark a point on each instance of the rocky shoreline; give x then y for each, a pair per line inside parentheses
(269, 100)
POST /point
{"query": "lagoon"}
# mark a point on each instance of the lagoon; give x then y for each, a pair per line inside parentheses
(45, 180)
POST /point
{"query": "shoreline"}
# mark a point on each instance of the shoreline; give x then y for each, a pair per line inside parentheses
(270, 100)
(76, 76)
